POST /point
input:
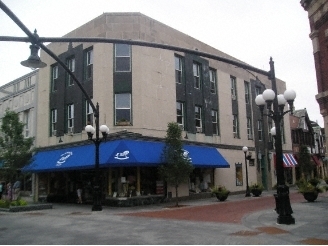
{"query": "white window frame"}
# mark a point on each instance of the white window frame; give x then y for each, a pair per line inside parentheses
(54, 71)
(215, 122)
(235, 126)
(117, 107)
(249, 128)
(180, 107)
(89, 116)
(122, 56)
(247, 94)
(196, 72)
(26, 122)
(233, 87)
(89, 64)
(213, 81)
(71, 66)
(178, 69)
(70, 116)
(198, 119)
(53, 121)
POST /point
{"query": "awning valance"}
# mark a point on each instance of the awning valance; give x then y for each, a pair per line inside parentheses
(119, 153)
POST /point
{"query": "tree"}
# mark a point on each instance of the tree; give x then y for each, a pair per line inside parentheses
(15, 149)
(177, 167)
(304, 162)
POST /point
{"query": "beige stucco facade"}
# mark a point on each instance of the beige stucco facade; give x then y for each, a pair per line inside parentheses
(154, 90)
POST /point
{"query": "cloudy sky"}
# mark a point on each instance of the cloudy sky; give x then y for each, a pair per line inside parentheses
(250, 30)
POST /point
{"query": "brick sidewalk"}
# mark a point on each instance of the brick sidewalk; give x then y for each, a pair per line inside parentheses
(226, 212)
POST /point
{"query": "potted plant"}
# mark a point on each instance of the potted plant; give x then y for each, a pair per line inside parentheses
(310, 189)
(221, 192)
(256, 189)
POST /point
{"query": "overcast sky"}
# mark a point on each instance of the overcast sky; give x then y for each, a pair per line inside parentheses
(250, 30)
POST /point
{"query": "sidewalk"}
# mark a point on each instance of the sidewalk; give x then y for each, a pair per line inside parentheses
(239, 220)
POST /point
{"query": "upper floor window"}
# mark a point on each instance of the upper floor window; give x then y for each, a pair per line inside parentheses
(54, 77)
(27, 82)
(122, 58)
(70, 118)
(196, 72)
(88, 113)
(122, 108)
(180, 114)
(233, 88)
(198, 119)
(213, 80)
(215, 124)
(54, 122)
(249, 128)
(71, 65)
(178, 69)
(247, 94)
(16, 87)
(88, 64)
(257, 91)
(235, 126)
(26, 122)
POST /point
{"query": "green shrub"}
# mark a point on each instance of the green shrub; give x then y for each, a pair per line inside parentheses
(22, 202)
(4, 204)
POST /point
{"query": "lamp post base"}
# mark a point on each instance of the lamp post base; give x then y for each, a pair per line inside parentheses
(248, 193)
(283, 207)
(96, 199)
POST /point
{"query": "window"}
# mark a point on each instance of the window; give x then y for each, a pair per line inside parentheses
(249, 128)
(196, 71)
(88, 113)
(122, 58)
(122, 108)
(260, 129)
(16, 87)
(54, 78)
(213, 80)
(180, 114)
(235, 126)
(239, 174)
(198, 119)
(26, 122)
(247, 96)
(70, 118)
(71, 65)
(53, 122)
(178, 69)
(215, 124)
(27, 82)
(233, 88)
(88, 63)
(257, 91)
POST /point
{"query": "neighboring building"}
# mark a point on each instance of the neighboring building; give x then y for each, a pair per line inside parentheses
(307, 133)
(20, 96)
(139, 90)
(317, 13)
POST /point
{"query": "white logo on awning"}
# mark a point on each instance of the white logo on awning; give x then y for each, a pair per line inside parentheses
(186, 155)
(122, 156)
(63, 158)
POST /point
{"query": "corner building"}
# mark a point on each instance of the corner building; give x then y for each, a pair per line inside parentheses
(139, 90)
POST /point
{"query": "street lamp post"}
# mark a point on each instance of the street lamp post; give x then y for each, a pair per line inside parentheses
(97, 183)
(248, 193)
(283, 207)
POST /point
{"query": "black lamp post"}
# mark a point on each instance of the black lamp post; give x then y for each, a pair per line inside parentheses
(97, 183)
(248, 193)
(283, 207)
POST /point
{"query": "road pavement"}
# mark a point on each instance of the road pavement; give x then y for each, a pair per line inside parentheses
(239, 220)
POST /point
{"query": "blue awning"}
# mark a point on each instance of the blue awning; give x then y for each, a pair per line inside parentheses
(119, 153)
(73, 158)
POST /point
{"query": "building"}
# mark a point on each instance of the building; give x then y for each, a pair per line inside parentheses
(317, 13)
(20, 96)
(139, 90)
